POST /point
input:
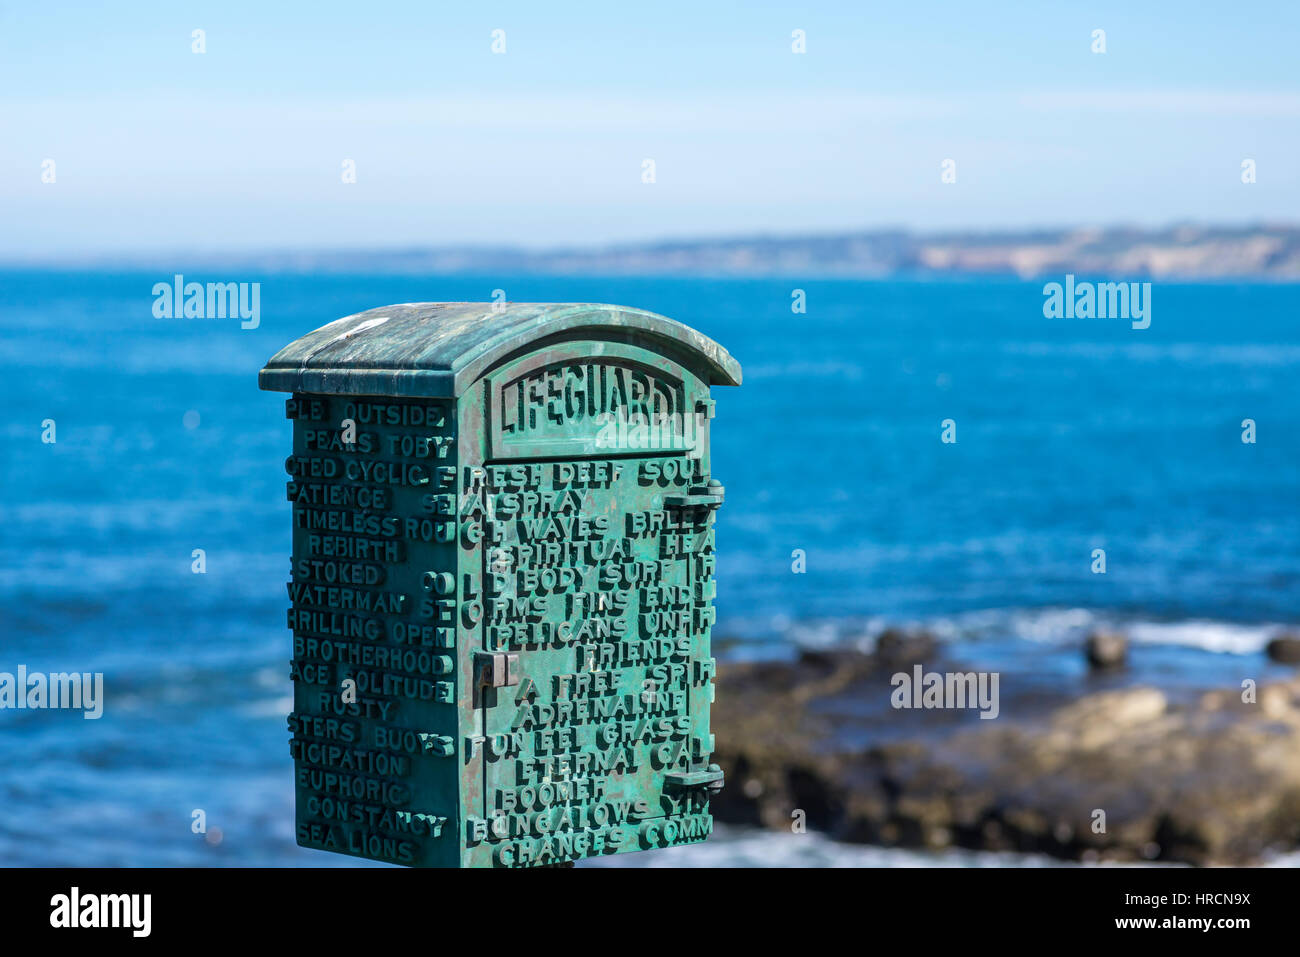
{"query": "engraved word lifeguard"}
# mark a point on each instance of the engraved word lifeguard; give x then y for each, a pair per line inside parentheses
(556, 400)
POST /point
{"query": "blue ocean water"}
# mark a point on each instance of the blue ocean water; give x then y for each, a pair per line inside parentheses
(1071, 435)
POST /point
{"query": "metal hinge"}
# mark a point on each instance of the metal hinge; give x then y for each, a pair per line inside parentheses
(710, 778)
(708, 497)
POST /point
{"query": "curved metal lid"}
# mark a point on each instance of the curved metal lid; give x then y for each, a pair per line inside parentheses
(440, 348)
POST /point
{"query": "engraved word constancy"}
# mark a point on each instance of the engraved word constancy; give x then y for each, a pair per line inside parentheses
(75, 909)
(64, 690)
(1100, 300)
(950, 689)
(179, 299)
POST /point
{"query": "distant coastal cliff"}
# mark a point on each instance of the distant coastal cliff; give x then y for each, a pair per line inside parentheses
(1187, 252)
(1176, 252)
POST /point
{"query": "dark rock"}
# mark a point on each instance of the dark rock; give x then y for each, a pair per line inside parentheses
(895, 646)
(1106, 649)
(1285, 649)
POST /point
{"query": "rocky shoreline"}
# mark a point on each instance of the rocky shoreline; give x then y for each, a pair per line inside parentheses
(1130, 773)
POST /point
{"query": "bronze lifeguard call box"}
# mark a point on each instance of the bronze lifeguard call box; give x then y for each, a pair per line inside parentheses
(502, 581)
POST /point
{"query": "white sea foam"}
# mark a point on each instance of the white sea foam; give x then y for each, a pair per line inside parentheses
(1053, 627)
(1217, 636)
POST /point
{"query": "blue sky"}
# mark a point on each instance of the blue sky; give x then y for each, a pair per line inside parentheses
(157, 148)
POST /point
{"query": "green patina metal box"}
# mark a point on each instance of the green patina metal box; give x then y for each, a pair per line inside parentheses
(502, 581)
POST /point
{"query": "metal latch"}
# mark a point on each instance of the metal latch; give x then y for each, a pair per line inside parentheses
(495, 669)
(710, 778)
(709, 497)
